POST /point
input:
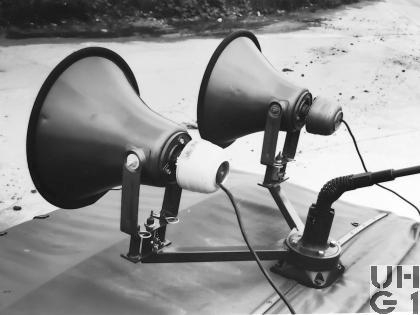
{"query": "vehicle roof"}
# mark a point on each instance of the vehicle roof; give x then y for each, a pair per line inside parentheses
(70, 262)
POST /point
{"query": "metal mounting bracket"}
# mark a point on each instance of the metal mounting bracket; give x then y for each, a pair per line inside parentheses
(276, 165)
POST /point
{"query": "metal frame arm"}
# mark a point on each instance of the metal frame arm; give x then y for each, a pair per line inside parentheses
(276, 165)
(290, 145)
(286, 208)
(131, 179)
(271, 133)
(170, 207)
(212, 254)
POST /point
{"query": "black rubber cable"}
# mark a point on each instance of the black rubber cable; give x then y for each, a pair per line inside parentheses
(257, 260)
(365, 168)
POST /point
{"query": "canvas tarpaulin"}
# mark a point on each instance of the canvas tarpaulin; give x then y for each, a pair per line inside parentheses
(70, 262)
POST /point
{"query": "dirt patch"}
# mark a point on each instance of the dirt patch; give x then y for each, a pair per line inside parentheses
(162, 28)
(156, 24)
(406, 62)
(323, 52)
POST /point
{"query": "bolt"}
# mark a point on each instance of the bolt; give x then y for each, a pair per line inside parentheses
(275, 109)
(132, 162)
(321, 253)
(293, 241)
(181, 140)
(339, 267)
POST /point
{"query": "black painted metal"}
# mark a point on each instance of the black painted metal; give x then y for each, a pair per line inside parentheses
(148, 243)
(407, 171)
(317, 267)
(155, 249)
(80, 263)
(271, 133)
(314, 279)
(131, 180)
(321, 214)
(290, 145)
(324, 117)
(86, 116)
(318, 227)
(276, 165)
(212, 254)
(313, 258)
(133, 254)
(156, 225)
(238, 86)
(170, 207)
(242, 93)
(289, 214)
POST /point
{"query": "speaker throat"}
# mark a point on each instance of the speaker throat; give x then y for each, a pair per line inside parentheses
(170, 154)
(301, 110)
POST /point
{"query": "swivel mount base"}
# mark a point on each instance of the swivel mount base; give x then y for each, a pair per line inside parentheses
(310, 265)
(314, 279)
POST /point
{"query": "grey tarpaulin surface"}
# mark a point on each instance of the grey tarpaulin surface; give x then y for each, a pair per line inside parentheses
(70, 263)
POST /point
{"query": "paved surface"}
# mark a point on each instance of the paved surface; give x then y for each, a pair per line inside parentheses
(365, 57)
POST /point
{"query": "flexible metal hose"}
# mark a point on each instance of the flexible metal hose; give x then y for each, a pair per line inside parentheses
(333, 190)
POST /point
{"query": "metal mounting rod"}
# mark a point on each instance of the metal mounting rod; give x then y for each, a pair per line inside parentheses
(212, 254)
(131, 179)
(276, 165)
(286, 208)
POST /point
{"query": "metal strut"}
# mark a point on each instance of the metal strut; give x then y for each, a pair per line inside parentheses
(276, 165)
(150, 245)
(131, 178)
(213, 254)
(152, 239)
